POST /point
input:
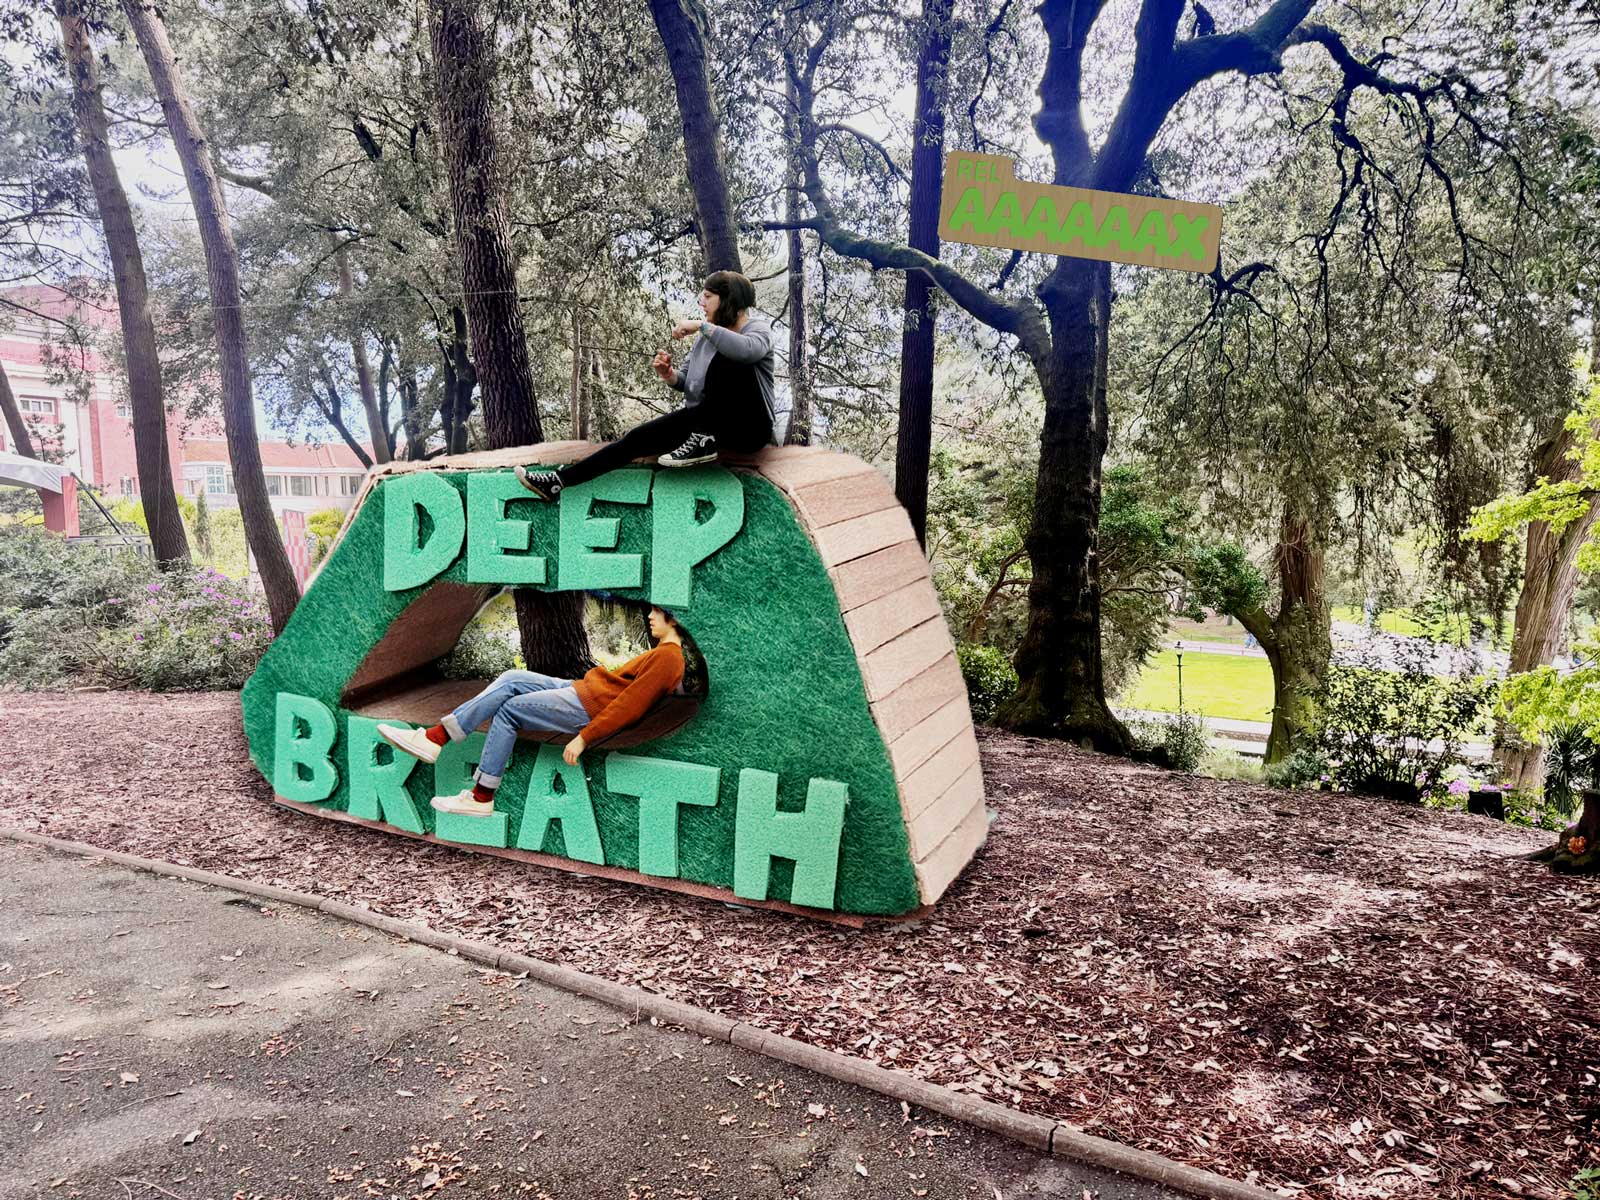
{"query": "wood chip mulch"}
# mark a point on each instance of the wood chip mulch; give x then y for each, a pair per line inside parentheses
(1326, 994)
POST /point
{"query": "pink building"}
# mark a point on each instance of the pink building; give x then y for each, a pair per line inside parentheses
(93, 430)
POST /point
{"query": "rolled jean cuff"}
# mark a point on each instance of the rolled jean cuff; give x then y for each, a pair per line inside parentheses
(453, 727)
(488, 781)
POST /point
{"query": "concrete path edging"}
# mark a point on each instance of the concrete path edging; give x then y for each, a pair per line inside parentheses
(1040, 1133)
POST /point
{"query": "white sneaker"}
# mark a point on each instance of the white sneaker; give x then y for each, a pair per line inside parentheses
(465, 803)
(413, 741)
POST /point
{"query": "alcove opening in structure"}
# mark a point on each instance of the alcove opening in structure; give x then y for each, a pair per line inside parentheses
(403, 676)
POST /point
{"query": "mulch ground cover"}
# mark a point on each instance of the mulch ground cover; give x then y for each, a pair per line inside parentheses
(1326, 994)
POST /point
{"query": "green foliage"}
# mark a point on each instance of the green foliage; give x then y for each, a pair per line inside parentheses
(1187, 741)
(481, 653)
(1585, 1185)
(323, 526)
(990, 678)
(1142, 550)
(1222, 577)
(73, 613)
(1301, 766)
(1226, 764)
(202, 526)
(1381, 713)
(1571, 764)
(185, 632)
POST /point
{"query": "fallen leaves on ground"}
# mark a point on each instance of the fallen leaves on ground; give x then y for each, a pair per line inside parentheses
(1317, 991)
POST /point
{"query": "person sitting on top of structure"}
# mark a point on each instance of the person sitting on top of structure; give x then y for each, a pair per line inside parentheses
(727, 386)
(592, 708)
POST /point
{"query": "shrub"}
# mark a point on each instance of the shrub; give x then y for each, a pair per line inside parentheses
(1188, 741)
(1227, 764)
(1382, 711)
(1302, 766)
(482, 652)
(73, 612)
(990, 678)
(187, 631)
(322, 527)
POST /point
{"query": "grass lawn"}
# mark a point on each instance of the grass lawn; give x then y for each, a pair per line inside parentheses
(1218, 685)
(1213, 629)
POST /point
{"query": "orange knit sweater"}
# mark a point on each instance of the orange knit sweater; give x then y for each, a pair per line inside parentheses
(616, 699)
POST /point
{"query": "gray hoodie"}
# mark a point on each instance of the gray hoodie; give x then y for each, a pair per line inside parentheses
(752, 344)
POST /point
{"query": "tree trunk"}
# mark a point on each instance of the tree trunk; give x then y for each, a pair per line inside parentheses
(550, 623)
(377, 431)
(580, 426)
(152, 454)
(222, 272)
(20, 437)
(800, 419)
(1060, 678)
(915, 438)
(1549, 579)
(682, 25)
(1301, 643)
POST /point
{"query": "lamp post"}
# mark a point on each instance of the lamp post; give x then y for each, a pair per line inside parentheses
(1178, 649)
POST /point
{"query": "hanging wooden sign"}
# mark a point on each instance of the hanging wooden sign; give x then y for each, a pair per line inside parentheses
(985, 204)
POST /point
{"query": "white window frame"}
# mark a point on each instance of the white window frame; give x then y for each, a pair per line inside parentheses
(296, 482)
(219, 481)
(37, 406)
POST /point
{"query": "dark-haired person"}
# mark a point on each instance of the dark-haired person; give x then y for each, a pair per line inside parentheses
(727, 388)
(594, 707)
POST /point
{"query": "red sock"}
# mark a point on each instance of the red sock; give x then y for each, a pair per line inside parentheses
(436, 735)
(485, 794)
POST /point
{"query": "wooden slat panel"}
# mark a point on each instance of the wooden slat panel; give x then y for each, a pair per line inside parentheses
(935, 777)
(918, 744)
(863, 580)
(823, 504)
(913, 652)
(886, 618)
(918, 698)
(939, 870)
(941, 818)
(862, 535)
(802, 467)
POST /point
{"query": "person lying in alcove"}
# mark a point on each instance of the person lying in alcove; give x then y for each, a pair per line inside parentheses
(591, 708)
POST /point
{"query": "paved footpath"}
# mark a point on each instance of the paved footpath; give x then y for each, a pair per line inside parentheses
(161, 1038)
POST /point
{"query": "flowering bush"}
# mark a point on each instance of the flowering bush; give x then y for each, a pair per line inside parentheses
(185, 632)
(73, 614)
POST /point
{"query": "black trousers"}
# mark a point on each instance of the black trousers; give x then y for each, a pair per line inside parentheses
(730, 410)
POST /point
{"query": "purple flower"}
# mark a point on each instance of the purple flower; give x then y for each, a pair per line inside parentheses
(138, 637)
(238, 637)
(1460, 787)
(152, 587)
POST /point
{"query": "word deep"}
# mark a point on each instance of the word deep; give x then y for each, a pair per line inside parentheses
(499, 549)
(305, 771)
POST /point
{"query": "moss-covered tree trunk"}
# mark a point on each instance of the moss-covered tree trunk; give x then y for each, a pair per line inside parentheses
(1549, 579)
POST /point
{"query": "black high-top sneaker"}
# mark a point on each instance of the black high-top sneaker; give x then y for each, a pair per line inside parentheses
(544, 484)
(700, 448)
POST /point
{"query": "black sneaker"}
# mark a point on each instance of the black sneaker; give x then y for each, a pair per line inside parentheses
(700, 448)
(544, 484)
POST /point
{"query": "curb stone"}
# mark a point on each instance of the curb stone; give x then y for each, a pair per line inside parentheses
(1039, 1133)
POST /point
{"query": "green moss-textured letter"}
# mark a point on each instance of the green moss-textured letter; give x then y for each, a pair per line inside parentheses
(378, 789)
(490, 533)
(1078, 225)
(571, 806)
(969, 211)
(452, 772)
(581, 535)
(311, 752)
(1041, 220)
(1152, 234)
(680, 541)
(471, 830)
(405, 563)
(661, 786)
(809, 838)
(1115, 228)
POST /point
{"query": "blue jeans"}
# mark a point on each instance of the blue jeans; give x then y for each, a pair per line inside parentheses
(517, 700)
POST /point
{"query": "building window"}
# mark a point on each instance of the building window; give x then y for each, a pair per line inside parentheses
(274, 485)
(125, 410)
(349, 485)
(127, 487)
(219, 481)
(300, 485)
(39, 405)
